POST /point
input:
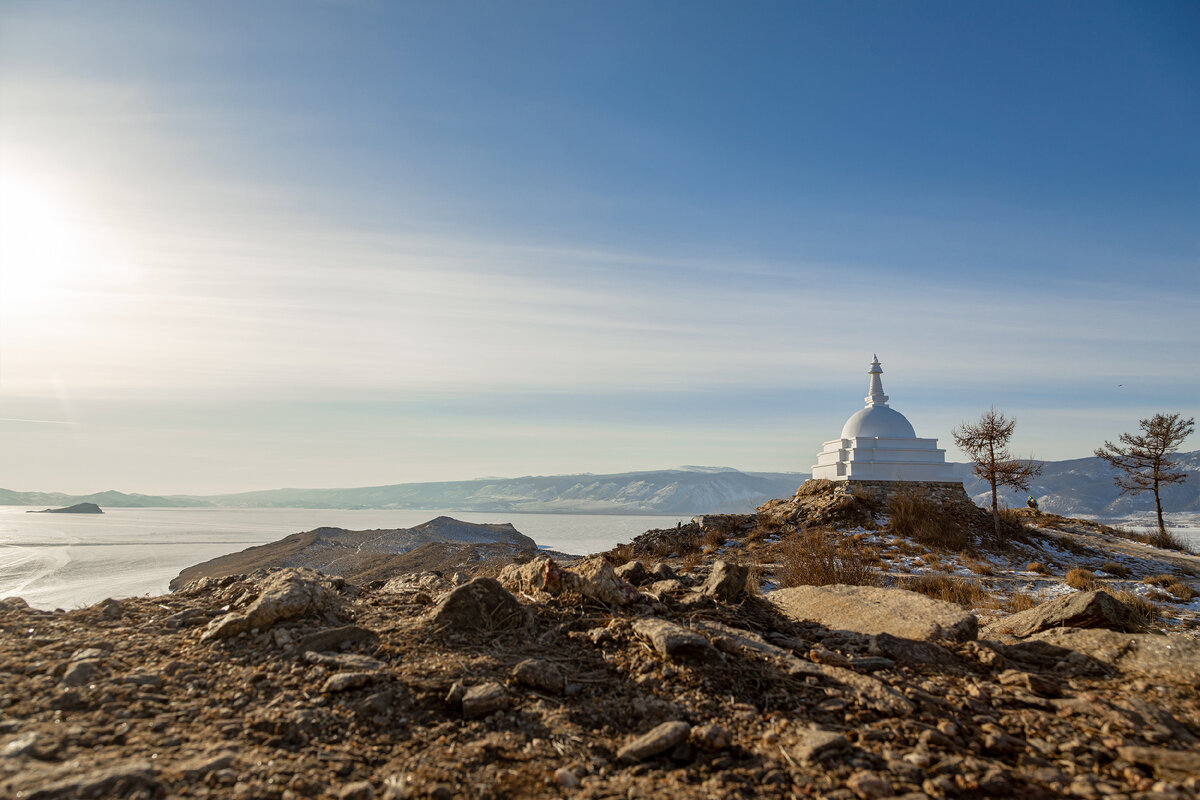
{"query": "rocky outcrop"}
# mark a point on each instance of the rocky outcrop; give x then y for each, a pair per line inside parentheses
(658, 697)
(1095, 609)
(365, 556)
(871, 609)
(1139, 653)
(593, 578)
(283, 595)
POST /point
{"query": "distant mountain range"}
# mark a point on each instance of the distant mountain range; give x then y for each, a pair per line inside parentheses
(1077, 486)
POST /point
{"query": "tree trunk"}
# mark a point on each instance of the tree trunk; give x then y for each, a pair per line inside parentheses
(1162, 529)
(995, 512)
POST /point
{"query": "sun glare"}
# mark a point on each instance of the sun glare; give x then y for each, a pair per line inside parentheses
(51, 255)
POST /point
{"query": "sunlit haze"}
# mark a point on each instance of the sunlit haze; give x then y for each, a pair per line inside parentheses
(254, 245)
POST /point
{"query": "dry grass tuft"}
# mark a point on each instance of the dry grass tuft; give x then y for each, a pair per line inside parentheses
(1182, 592)
(819, 558)
(1082, 579)
(914, 516)
(1038, 567)
(984, 568)
(1019, 601)
(964, 591)
(1116, 569)
(1141, 606)
(1162, 579)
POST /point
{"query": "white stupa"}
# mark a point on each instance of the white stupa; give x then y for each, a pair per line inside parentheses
(879, 444)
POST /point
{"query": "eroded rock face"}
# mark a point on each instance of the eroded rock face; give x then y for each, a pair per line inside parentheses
(479, 604)
(1096, 609)
(1150, 654)
(871, 609)
(283, 595)
(593, 578)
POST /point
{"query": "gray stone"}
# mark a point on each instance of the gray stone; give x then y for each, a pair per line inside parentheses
(484, 699)
(662, 571)
(1171, 657)
(665, 737)
(711, 737)
(352, 661)
(338, 638)
(538, 674)
(1097, 609)
(634, 572)
(80, 672)
(872, 609)
(82, 778)
(359, 790)
(21, 745)
(727, 581)
(1172, 765)
(151, 679)
(344, 681)
(671, 586)
(817, 745)
(674, 641)
(479, 604)
(285, 594)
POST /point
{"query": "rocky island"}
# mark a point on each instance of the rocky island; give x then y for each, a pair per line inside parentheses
(824, 646)
(78, 508)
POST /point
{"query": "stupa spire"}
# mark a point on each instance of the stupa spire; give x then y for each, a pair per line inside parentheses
(876, 396)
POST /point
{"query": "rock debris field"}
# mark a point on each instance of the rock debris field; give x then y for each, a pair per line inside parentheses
(579, 680)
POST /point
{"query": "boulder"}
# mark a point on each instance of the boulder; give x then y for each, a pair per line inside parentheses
(479, 604)
(662, 571)
(1096, 609)
(1174, 658)
(541, 575)
(726, 581)
(816, 744)
(337, 638)
(659, 740)
(598, 581)
(484, 699)
(634, 572)
(1172, 765)
(284, 594)
(538, 674)
(593, 577)
(872, 610)
(674, 641)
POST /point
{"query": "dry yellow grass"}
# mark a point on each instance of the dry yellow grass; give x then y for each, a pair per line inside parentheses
(914, 516)
(1141, 605)
(1019, 601)
(1038, 567)
(1082, 579)
(964, 591)
(820, 558)
(1116, 569)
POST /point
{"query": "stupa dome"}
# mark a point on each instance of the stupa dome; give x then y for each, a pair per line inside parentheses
(879, 444)
(881, 422)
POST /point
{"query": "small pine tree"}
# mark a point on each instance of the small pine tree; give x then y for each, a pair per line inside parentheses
(986, 443)
(1143, 463)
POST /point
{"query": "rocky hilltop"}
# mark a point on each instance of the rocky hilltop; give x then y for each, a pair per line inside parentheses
(712, 660)
(442, 543)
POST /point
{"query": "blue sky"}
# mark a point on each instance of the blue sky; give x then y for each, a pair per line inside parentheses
(344, 243)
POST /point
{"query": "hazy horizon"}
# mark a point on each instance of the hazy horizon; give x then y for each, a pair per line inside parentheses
(248, 246)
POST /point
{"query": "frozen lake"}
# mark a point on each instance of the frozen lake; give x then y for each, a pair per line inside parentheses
(70, 560)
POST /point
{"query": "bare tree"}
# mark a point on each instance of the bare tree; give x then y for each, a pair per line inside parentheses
(986, 443)
(1143, 462)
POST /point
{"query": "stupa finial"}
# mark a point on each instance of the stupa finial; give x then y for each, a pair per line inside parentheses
(876, 396)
